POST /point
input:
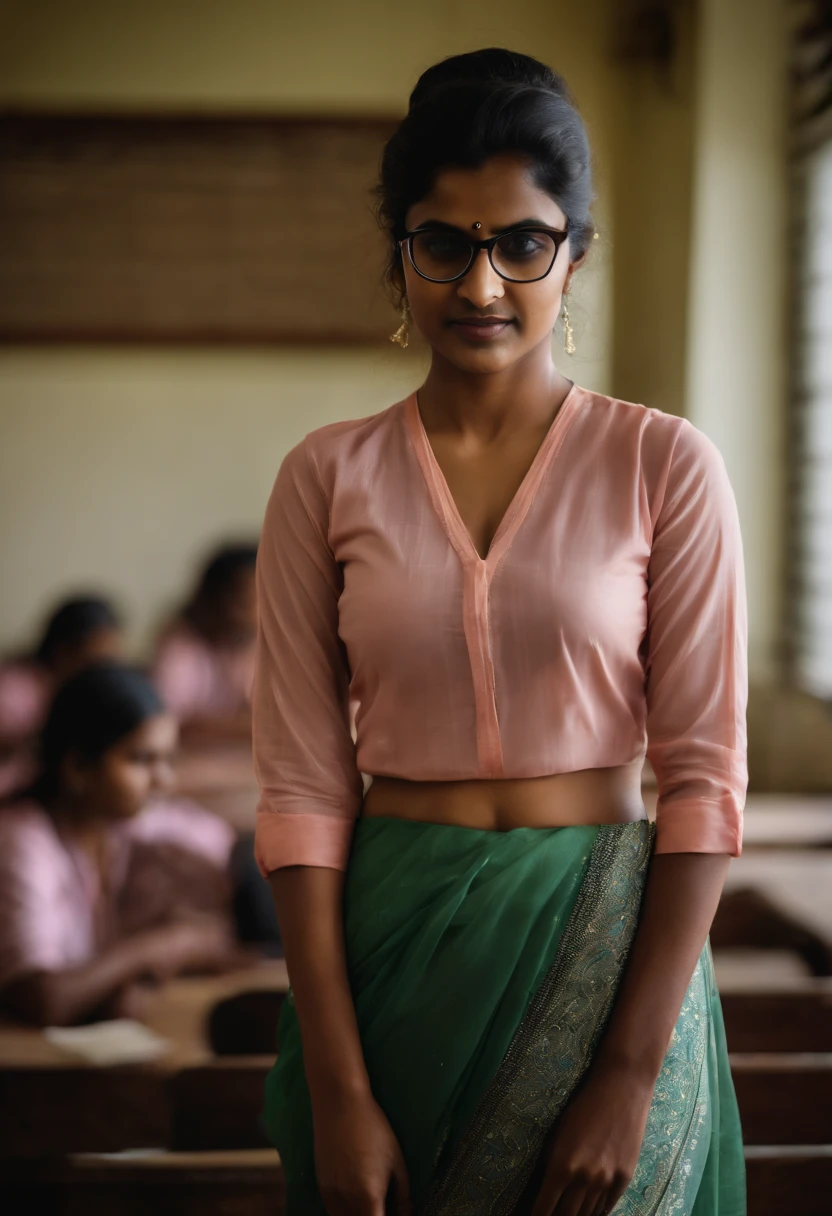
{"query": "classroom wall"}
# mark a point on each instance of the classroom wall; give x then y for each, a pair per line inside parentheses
(118, 467)
(737, 389)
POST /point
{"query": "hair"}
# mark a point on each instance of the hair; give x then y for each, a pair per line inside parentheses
(469, 108)
(72, 623)
(221, 571)
(92, 712)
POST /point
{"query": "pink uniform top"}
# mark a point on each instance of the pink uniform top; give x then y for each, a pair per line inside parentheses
(25, 696)
(196, 679)
(53, 912)
(608, 618)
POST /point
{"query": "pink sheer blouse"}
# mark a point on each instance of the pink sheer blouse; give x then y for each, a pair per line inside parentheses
(607, 619)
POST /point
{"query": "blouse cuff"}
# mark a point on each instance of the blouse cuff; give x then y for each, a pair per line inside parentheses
(698, 826)
(301, 840)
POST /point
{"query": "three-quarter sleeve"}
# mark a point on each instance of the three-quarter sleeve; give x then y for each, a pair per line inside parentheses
(696, 655)
(304, 753)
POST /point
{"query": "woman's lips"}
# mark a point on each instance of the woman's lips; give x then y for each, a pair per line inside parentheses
(484, 329)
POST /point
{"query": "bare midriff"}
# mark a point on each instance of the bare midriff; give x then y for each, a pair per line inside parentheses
(590, 796)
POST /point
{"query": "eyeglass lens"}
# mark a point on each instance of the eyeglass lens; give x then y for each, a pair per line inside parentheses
(521, 255)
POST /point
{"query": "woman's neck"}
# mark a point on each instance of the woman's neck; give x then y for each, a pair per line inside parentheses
(77, 825)
(496, 404)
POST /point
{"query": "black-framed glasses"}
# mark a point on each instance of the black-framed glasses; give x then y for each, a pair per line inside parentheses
(519, 255)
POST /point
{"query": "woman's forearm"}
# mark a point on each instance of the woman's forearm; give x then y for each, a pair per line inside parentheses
(309, 903)
(680, 901)
(62, 998)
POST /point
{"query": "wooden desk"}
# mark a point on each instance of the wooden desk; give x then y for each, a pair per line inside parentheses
(221, 778)
(52, 1104)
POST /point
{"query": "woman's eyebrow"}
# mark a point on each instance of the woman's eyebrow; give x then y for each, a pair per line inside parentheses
(532, 221)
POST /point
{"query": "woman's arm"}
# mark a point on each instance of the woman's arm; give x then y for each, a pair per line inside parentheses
(695, 691)
(311, 793)
(598, 1138)
(65, 996)
(680, 901)
(357, 1158)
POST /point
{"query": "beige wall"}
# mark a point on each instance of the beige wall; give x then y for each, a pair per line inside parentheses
(118, 467)
(651, 201)
(736, 382)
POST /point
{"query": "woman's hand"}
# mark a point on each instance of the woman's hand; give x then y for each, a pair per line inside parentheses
(596, 1144)
(199, 944)
(358, 1161)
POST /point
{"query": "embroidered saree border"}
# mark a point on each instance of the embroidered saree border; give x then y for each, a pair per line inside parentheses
(494, 1161)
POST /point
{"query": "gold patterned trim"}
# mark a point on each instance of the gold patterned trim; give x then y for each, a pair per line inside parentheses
(554, 1044)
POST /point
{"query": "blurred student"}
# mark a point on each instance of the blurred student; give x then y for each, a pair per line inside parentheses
(80, 630)
(204, 663)
(104, 884)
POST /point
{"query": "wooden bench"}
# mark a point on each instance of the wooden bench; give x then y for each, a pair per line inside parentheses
(781, 1182)
(53, 1104)
(778, 1021)
(789, 1182)
(55, 1110)
(166, 1184)
(219, 1105)
(783, 1098)
(246, 1024)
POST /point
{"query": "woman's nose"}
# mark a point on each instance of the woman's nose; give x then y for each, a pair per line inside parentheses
(481, 284)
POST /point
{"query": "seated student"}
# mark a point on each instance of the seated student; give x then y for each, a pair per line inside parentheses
(204, 664)
(79, 631)
(104, 885)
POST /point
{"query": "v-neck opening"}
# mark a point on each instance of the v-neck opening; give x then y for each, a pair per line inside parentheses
(445, 503)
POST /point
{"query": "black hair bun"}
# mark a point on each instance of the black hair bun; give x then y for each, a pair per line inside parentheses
(492, 65)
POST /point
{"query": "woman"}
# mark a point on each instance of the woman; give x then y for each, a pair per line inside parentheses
(204, 664)
(104, 884)
(79, 631)
(521, 584)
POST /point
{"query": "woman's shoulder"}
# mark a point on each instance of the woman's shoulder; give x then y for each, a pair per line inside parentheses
(335, 453)
(620, 415)
(660, 442)
(26, 826)
(24, 695)
(339, 442)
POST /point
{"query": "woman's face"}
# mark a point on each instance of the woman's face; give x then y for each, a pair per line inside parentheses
(515, 318)
(140, 766)
(239, 607)
(101, 644)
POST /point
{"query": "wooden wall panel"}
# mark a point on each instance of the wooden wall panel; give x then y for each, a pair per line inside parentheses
(157, 229)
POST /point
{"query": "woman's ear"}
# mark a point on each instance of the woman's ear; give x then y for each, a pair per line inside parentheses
(573, 266)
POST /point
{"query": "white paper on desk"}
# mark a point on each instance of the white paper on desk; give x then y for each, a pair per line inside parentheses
(122, 1041)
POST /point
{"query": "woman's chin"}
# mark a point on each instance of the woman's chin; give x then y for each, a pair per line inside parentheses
(490, 359)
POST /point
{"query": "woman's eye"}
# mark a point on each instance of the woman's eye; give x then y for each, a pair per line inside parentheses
(444, 247)
(519, 245)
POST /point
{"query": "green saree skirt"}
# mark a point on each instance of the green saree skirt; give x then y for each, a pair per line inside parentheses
(484, 966)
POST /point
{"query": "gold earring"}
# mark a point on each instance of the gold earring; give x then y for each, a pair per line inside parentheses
(569, 338)
(402, 336)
